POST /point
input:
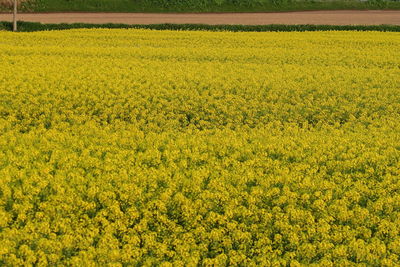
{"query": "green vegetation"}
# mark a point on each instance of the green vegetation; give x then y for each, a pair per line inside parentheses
(34, 26)
(201, 5)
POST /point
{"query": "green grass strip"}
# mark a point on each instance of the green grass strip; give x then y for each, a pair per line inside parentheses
(34, 26)
(202, 5)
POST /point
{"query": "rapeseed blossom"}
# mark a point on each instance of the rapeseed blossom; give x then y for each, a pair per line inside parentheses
(140, 147)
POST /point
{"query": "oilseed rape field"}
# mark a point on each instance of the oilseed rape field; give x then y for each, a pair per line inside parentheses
(176, 148)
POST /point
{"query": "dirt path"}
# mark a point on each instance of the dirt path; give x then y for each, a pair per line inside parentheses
(305, 17)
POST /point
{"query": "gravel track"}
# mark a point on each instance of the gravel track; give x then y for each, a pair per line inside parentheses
(343, 17)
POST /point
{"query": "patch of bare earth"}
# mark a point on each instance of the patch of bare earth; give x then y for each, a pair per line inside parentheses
(9, 4)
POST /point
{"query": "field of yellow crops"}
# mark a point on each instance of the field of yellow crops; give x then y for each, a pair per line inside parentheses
(139, 147)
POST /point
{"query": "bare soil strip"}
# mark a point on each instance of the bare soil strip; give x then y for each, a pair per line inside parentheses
(343, 17)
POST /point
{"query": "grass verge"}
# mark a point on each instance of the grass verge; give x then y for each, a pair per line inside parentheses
(202, 6)
(196, 5)
(34, 26)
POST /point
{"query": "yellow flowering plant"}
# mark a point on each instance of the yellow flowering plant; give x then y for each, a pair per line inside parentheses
(175, 148)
